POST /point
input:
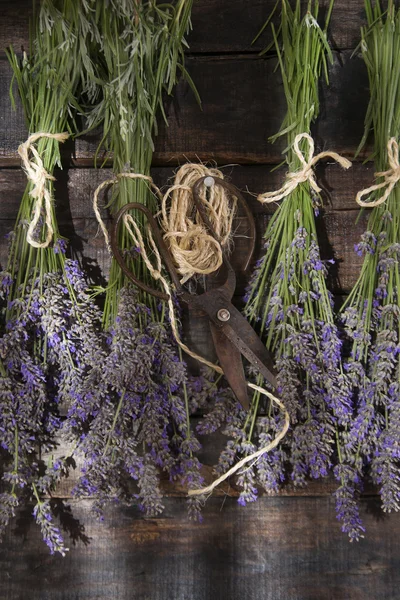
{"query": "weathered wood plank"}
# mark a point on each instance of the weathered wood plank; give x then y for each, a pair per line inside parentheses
(218, 25)
(243, 104)
(338, 233)
(75, 187)
(338, 229)
(212, 446)
(275, 549)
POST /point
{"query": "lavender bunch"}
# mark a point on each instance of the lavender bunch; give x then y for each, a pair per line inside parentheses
(48, 352)
(28, 417)
(131, 419)
(287, 299)
(371, 313)
(44, 341)
(140, 59)
(136, 422)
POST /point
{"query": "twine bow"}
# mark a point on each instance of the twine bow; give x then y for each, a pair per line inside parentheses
(391, 177)
(39, 177)
(306, 173)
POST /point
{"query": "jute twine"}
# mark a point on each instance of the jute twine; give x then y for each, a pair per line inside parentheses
(391, 177)
(306, 173)
(194, 250)
(113, 181)
(180, 192)
(39, 177)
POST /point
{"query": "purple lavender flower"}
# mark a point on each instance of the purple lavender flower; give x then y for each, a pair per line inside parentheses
(347, 510)
(51, 533)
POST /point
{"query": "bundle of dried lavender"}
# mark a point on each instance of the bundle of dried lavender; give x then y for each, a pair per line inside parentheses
(141, 56)
(47, 316)
(287, 299)
(371, 314)
(131, 416)
(134, 410)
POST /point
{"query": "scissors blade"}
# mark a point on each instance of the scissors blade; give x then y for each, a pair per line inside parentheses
(239, 331)
(231, 362)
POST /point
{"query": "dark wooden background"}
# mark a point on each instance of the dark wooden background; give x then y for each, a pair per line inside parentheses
(287, 547)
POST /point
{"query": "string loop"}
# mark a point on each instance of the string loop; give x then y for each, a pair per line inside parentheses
(113, 181)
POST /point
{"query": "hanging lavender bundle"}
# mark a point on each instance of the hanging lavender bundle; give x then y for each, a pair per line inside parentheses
(50, 322)
(371, 313)
(287, 299)
(141, 57)
(131, 419)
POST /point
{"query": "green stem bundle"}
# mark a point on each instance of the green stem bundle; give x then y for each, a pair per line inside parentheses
(141, 57)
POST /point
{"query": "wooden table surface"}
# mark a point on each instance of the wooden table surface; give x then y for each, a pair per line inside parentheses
(287, 547)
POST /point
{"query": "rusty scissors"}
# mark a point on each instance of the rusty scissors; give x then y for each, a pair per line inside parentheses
(232, 335)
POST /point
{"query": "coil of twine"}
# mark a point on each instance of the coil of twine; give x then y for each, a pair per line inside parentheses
(194, 250)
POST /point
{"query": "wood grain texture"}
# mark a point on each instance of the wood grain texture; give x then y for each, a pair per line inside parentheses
(276, 549)
(242, 105)
(212, 446)
(338, 226)
(75, 187)
(281, 548)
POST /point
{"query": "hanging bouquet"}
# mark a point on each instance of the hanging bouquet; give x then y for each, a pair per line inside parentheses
(49, 332)
(287, 299)
(131, 420)
(371, 314)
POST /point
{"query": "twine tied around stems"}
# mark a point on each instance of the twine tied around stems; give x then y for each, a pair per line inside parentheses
(113, 181)
(306, 173)
(391, 177)
(178, 223)
(39, 177)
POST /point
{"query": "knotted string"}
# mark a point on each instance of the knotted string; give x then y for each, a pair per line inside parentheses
(39, 177)
(195, 251)
(180, 197)
(306, 173)
(391, 177)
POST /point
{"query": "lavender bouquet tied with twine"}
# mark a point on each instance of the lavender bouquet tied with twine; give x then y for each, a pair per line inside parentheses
(287, 300)
(135, 412)
(371, 314)
(49, 330)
